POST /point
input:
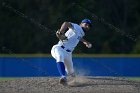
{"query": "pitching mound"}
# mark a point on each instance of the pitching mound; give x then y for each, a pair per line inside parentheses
(75, 85)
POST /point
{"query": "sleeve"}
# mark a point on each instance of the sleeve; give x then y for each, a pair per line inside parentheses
(72, 26)
(78, 29)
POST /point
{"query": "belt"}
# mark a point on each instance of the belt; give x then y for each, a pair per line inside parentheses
(66, 49)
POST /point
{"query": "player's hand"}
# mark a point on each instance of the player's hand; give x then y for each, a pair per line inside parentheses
(60, 35)
(89, 45)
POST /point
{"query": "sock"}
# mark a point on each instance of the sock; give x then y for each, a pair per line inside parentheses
(61, 68)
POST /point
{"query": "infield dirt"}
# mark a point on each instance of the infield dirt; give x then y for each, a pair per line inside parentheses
(80, 84)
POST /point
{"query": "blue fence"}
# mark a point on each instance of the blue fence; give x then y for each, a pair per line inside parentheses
(91, 66)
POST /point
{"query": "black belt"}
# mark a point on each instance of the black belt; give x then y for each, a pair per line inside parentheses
(66, 49)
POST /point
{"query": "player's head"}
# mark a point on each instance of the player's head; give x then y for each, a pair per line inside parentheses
(86, 24)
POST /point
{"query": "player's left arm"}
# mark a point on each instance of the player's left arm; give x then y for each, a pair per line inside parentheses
(85, 42)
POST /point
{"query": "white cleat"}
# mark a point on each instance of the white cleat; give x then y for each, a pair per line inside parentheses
(72, 75)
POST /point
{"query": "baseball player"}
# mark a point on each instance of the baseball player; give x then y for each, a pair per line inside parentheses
(68, 40)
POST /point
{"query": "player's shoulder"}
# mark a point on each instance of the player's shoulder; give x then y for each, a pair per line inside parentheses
(78, 28)
(75, 25)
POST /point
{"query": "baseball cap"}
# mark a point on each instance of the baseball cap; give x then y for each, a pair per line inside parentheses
(87, 21)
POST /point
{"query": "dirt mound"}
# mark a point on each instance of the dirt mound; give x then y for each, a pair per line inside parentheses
(79, 84)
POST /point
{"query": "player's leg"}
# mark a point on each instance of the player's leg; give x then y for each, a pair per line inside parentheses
(58, 53)
(53, 52)
(69, 65)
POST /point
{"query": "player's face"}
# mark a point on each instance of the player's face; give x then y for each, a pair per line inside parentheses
(86, 26)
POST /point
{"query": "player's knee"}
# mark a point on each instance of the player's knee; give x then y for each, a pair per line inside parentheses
(60, 58)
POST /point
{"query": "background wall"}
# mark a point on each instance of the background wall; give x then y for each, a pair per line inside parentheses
(93, 66)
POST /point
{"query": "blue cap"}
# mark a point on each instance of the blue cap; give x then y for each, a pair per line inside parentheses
(87, 21)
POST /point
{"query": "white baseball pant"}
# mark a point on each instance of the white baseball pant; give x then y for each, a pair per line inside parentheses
(61, 55)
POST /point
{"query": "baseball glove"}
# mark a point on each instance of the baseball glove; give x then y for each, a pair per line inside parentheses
(60, 35)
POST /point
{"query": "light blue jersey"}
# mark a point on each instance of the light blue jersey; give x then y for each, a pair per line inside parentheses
(74, 34)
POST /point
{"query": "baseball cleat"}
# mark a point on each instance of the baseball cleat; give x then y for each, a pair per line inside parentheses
(73, 75)
(63, 81)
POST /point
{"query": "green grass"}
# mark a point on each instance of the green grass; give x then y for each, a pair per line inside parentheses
(7, 78)
(134, 78)
(13, 78)
(74, 55)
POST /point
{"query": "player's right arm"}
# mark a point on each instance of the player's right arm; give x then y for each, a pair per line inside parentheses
(65, 26)
(61, 32)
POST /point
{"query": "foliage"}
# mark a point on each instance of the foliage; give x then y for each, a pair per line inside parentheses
(20, 35)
